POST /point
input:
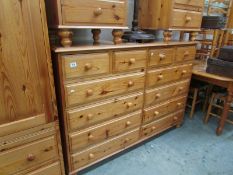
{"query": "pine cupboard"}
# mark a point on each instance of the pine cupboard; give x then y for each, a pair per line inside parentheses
(29, 131)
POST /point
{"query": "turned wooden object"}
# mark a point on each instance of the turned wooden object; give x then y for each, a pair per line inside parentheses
(96, 35)
(117, 36)
(65, 37)
(193, 36)
(167, 35)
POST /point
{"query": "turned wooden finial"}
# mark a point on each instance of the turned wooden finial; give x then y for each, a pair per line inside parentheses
(167, 35)
(65, 37)
(96, 35)
(193, 36)
(117, 36)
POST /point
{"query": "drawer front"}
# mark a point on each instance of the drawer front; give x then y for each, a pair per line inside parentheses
(154, 96)
(99, 133)
(161, 125)
(161, 76)
(85, 65)
(94, 12)
(128, 60)
(186, 19)
(195, 5)
(161, 56)
(96, 113)
(28, 156)
(156, 112)
(92, 90)
(54, 169)
(185, 53)
(103, 150)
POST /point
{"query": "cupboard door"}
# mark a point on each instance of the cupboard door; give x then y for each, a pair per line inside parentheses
(25, 86)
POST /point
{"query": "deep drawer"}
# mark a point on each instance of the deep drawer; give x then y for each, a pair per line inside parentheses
(195, 5)
(53, 169)
(185, 53)
(159, 57)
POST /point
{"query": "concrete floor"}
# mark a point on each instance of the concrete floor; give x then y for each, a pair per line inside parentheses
(193, 149)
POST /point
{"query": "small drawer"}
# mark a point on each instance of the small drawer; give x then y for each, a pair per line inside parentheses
(28, 156)
(103, 150)
(53, 169)
(156, 112)
(94, 12)
(162, 124)
(185, 53)
(161, 57)
(153, 96)
(186, 19)
(92, 114)
(99, 133)
(128, 60)
(87, 91)
(85, 65)
(162, 76)
(195, 5)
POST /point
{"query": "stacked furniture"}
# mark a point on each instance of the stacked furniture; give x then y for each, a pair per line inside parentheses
(29, 131)
(113, 97)
(171, 15)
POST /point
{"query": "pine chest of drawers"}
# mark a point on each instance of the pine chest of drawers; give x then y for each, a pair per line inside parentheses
(113, 97)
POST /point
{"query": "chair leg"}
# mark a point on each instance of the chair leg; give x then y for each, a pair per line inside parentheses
(207, 97)
(206, 119)
(194, 102)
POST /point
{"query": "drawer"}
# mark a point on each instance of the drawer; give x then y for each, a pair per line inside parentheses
(87, 91)
(53, 169)
(162, 124)
(97, 153)
(28, 156)
(96, 113)
(161, 57)
(185, 53)
(195, 5)
(94, 12)
(128, 60)
(154, 96)
(156, 112)
(160, 76)
(99, 133)
(186, 19)
(85, 64)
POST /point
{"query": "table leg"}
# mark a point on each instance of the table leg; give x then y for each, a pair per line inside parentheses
(225, 112)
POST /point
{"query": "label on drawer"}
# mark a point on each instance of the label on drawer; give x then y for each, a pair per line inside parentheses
(73, 65)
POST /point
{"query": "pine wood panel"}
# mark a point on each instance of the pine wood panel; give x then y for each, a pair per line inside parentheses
(95, 113)
(84, 138)
(185, 53)
(195, 5)
(160, 57)
(87, 91)
(53, 169)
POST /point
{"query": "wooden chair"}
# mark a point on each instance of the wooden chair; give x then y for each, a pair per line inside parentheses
(219, 7)
(215, 108)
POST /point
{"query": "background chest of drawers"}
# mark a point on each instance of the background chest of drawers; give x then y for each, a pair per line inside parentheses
(116, 96)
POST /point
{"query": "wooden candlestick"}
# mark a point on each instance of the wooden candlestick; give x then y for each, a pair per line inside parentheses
(167, 35)
(96, 35)
(117, 36)
(65, 37)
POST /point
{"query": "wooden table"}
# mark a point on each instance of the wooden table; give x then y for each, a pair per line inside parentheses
(199, 73)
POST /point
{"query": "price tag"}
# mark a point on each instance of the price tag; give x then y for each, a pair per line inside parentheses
(73, 65)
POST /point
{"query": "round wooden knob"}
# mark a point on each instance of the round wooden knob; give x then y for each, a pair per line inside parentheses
(153, 128)
(156, 113)
(90, 136)
(186, 53)
(128, 123)
(180, 88)
(160, 77)
(31, 157)
(132, 60)
(188, 18)
(184, 72)
(98, 11)
(130, 83)
(90, 116)
(129, 104)
(88, 66)
(89, 92)
(152, 54)
(179, 104)
(157, 96)
(91, 155)
(127, 140)
(162, 56)
(175, 118)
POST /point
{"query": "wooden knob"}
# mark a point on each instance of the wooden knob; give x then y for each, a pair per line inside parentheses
(88, 66)
(156, 113)
(91, 155)
(128, 123)
(157, 96)
(186, 53)
(180, 88)
(151, 54)
(179, 104)
(31, 157)
(127, 140)
(160, 77)
(153, 128)
(130, 83)
(90, 116)
(184, 72)
(89, 92)
(175, 118)
(129, 104)
(132, 60)
(98, 11)
(90, 136)
(188, 18)
(162, 56)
